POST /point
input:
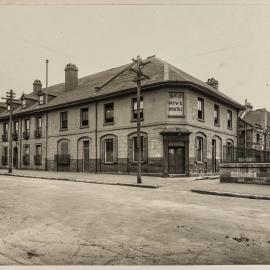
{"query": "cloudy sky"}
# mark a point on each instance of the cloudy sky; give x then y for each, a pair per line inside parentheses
(228, 42)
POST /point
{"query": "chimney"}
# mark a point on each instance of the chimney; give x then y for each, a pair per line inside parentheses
(248, 106)
(37, 86)
(71, 77)
(212, 82)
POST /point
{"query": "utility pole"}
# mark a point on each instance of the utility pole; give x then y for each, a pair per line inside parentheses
(139, 77)
(47, 63)
(46, 101)
(9, 99)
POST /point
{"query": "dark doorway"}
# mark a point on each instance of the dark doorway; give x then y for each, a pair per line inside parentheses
(176, 160)
(214, 155)
(15, 157)
(86, 162)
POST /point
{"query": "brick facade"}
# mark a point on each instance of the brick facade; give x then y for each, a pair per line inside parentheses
(155, 122)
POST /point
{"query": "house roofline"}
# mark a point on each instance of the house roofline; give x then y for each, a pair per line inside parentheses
(126, 91)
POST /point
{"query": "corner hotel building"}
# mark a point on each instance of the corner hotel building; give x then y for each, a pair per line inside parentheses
(89, 124)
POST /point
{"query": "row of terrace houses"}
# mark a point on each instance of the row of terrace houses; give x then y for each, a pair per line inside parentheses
(254, 128)
(89, 123)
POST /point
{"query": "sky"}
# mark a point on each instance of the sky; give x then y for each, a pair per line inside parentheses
(228, 42)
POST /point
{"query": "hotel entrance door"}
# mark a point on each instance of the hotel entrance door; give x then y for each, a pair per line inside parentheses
(176, 160)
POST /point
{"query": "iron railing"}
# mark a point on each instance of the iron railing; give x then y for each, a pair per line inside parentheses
(233, 154)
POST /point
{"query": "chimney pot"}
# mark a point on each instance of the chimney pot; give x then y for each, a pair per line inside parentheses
(213, 82)
(71, 77)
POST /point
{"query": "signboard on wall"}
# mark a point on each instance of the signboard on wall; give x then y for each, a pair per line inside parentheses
(176, 104)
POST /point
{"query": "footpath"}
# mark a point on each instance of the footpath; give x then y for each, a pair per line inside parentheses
(105, 179)
(201, 185)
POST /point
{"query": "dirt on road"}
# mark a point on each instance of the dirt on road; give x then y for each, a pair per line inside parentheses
(56, 223)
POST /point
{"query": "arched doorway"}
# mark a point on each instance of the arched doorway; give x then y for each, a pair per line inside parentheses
(83, 156)
(15, 157)
(216, 153)
(63, 156)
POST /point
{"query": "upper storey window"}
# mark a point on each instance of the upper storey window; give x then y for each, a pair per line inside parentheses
(229, 119)
(200, 109)
(24, 103)
(216, 115)
(135, 110)
(109, 113)
(41, 99)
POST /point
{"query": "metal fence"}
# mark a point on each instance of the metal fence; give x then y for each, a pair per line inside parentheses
(244, 155)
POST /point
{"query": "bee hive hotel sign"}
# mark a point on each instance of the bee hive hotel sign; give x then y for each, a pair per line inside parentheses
(176, 104)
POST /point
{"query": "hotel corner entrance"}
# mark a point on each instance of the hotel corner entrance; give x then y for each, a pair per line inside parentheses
(176, 160)
(176, 152)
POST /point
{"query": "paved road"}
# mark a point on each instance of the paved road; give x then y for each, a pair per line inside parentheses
(57, 222)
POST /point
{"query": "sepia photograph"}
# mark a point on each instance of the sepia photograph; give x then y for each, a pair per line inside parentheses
(135, 133)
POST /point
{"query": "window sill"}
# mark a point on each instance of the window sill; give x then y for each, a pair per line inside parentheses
(200, 162)
(176, 116)
(108, 123)
(230, 128)
(82, 127)
(135, 120)
(63, 129)
(135, 162)
(201, 120)
(217, 125)
(109, 163)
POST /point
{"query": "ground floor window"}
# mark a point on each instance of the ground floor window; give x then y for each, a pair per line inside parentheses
(37, 157)
(108, 150)
(199, 148)
(5, 155)
(133, 148)
(26, 154)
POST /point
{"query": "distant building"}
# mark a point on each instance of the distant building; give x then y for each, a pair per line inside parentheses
(254, 126)
(89, 124)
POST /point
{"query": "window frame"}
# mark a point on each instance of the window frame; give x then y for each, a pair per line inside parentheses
(25, 126)
(133, 101)
(105, 151)
(5, 151)
(26, 146)
(38, 128)
(134, 141)
(197, 140)
(81, 114)
(106, 122)
(36, 146)
(5, 128)
(61, 120)
(16, 127)
(200, 110)
(229, 119)
(217, 119)
(41, 99)
(24, 103)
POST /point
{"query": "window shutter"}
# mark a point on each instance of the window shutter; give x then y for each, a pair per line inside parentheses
(145, 149)
(205, 149)
(115, 150)
(130, 149)
(102, 148)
